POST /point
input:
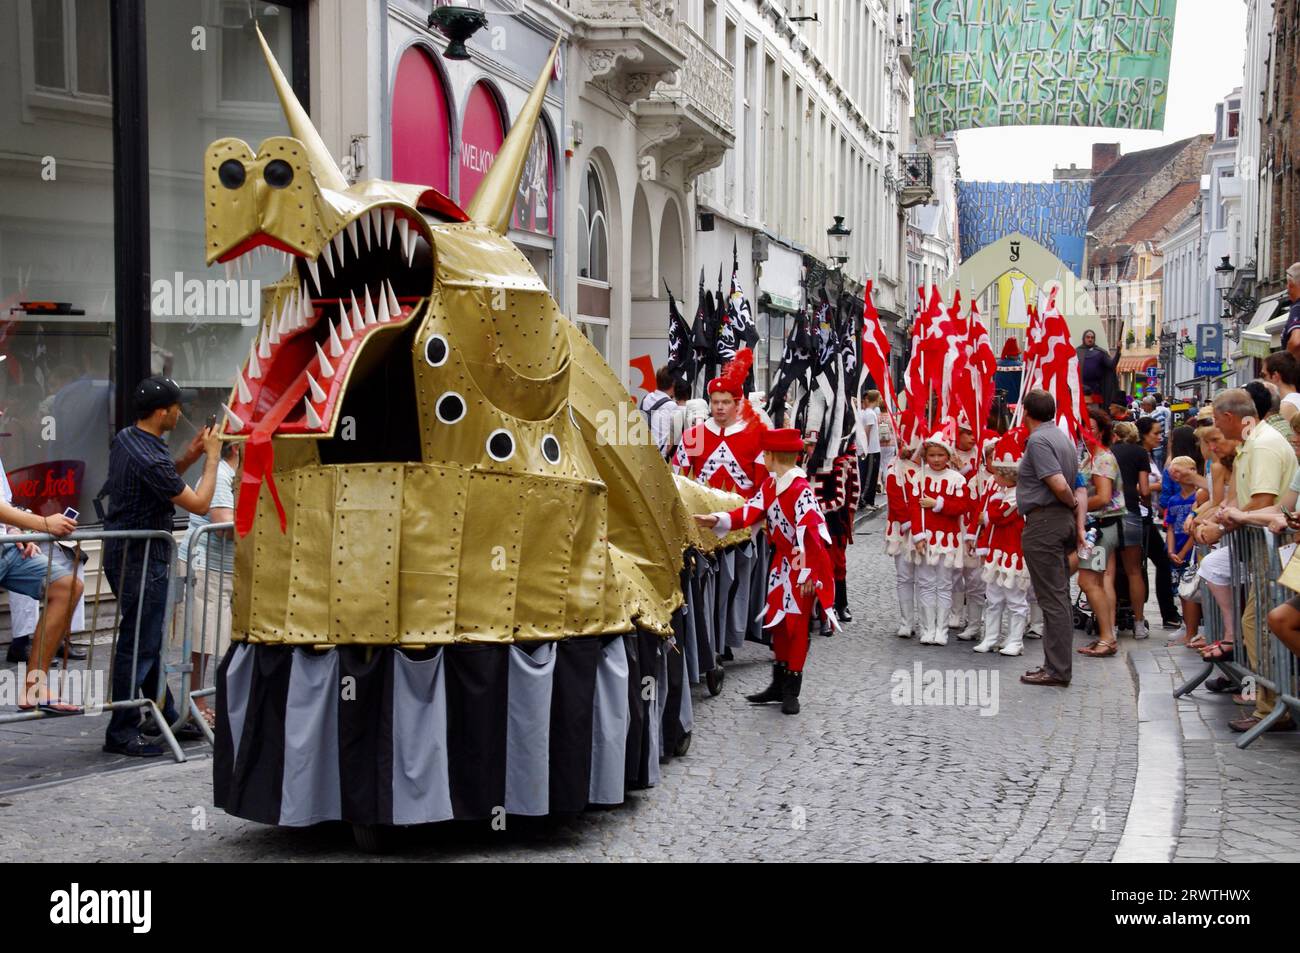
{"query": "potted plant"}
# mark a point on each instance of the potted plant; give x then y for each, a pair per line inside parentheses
(1130, 339)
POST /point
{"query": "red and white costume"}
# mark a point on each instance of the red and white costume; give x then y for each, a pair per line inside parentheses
(939, 533)
(1006, 578)
(941, 529)
(730, 459)
(968, 587)
(799, 539)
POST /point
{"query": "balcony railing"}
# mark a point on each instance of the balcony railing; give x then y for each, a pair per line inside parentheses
(916, 178)
(705, 83)
(658, 14)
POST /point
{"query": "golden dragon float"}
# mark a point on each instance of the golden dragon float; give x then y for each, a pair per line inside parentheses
(452, 597)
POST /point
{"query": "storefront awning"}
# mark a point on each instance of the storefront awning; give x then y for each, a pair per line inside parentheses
(1198, 381)
(1135, 365)
(1264, 336)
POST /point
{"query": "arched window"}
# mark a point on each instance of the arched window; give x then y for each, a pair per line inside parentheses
(534, 203)
(481, 135)
(421, 126)
(593, 252)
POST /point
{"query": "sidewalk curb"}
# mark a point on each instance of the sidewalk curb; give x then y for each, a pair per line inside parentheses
(1156, 811)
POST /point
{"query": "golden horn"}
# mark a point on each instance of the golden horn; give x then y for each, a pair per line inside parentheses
(495, 198)
(327, 173)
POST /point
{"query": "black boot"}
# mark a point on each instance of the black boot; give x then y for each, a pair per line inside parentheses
(842, 600)
(773, 692)
(790, 695)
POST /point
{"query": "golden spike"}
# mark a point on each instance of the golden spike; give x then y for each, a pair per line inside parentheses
(322, 163)
(495, 198)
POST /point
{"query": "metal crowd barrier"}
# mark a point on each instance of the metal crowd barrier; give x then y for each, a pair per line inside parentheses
(1256, 567)
(66, 681)
(207, 623)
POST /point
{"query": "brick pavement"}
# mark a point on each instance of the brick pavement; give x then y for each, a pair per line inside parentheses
(1048, 778)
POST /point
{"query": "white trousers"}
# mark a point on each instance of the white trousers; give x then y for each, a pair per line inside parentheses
(1011, 599)
(972, 575)
(934, 587)
(905, 571)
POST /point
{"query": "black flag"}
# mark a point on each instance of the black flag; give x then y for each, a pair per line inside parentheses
(681, 355)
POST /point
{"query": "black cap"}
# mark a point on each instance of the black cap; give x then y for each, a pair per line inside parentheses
(155, 392)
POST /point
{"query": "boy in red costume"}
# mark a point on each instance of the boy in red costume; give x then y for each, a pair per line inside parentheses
(937, 508)
(1006, 579)
(725, 451)
(979, 485)
(801, 566)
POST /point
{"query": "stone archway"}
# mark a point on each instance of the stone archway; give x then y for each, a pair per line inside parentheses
(1020, 253)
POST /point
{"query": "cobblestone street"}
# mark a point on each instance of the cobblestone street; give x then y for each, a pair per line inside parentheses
(1047, 777)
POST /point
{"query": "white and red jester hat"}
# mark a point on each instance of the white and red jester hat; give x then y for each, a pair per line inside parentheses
(1010, 448)
(944, 435)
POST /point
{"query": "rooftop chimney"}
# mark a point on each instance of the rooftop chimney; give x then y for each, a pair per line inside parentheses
(1104, 155)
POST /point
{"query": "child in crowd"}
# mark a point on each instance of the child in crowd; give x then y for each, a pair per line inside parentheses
(801, 570)
(900, 487)
(1006, 578)
(980, 486)
(1179, 544)
(940, 502)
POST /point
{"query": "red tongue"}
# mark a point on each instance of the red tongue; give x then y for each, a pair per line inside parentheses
(259, 460)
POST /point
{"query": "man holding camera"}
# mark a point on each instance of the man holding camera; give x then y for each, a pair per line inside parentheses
(144, 487)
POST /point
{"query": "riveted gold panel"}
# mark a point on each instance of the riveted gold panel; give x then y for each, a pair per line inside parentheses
(489, 564)
(308, 610)
(363, 557)
(433, 525)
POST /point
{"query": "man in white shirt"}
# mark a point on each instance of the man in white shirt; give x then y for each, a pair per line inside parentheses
(658, 406)
(869, 446)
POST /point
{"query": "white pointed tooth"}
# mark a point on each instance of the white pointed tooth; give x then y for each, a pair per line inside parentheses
(264, 346)
(410, 246)
(254, 368)
(358, 322)
(230, 271)
(337, 242)
(352, 237)
(403, 232)
(308, 309)
(390, 218)
(394, 306)
(328, 256)
(285, 323)
(336, 346)
(233, 423)
(381, 307)
(326, 368)
(370, 308)
(365, 228)
(313, 269)
(318, 394)
(345, 326)
(241, 388)
(313, 418)
(377, 225)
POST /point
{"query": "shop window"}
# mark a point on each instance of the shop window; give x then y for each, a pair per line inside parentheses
(533, 204)
(481, 135)
(202, 344)
(421, 124)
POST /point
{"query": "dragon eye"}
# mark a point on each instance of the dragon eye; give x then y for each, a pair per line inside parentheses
(278, 173)
(435, 351)
(231, 173)
(500, 445)
(551, 449)
(450, 407)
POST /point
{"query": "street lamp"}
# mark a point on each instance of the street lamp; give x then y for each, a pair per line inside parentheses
(837, 238)
(457, 24)
(1223, 281)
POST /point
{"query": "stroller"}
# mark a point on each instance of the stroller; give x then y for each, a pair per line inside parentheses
(1085, 620)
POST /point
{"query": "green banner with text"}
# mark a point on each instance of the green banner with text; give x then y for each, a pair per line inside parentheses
(983, 63)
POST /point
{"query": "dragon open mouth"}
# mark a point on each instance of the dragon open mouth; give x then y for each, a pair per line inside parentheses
(366, 280)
